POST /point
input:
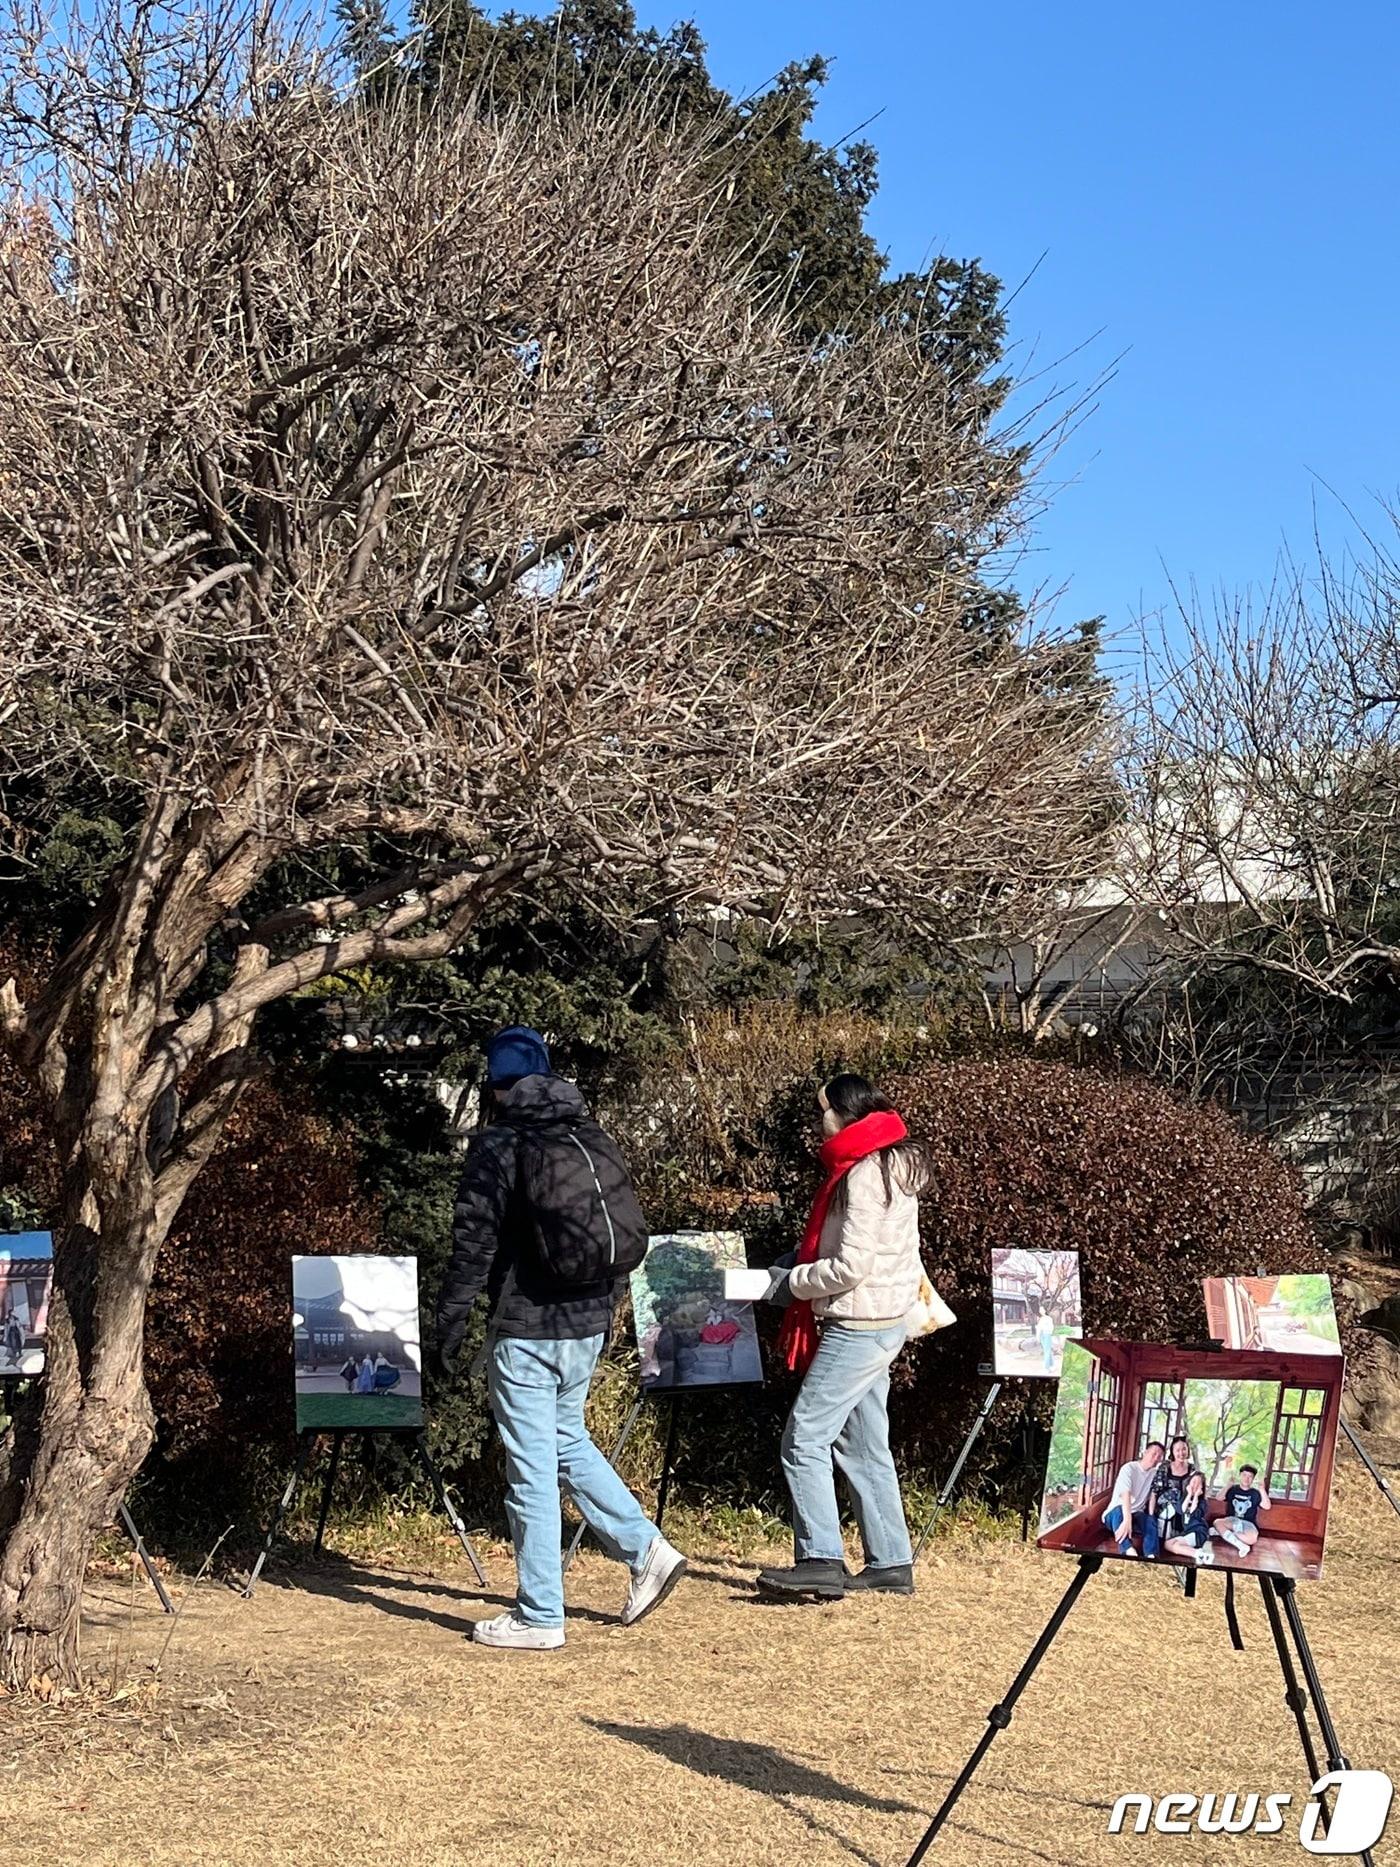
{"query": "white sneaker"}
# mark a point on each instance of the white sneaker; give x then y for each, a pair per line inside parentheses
(1205, 1553)
(662, 1567)
(508, 1631)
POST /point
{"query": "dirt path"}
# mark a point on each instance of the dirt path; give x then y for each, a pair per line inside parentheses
(339, 1720)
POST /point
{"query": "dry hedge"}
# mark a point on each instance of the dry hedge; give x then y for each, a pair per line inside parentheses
(1155, 1194)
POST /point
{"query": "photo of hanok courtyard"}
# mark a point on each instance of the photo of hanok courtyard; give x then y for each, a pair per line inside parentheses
(1036, 1309)
(355, 1342)
(1249, 1489)
(26, 1283)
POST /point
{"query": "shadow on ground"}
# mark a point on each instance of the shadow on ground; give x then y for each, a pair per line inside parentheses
(348, 1581)
(759, 1767)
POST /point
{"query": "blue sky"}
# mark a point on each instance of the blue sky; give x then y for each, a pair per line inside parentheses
(1216, 196)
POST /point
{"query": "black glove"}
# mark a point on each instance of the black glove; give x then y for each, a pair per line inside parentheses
(449, 1348)
(779, 1290)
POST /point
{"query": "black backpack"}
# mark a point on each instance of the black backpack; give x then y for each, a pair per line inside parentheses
(587, 1225)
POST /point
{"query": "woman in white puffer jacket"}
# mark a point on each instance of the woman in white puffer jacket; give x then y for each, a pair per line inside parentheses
(856, 1280)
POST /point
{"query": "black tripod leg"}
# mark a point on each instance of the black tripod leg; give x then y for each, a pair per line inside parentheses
(447, 1507)
(999, 1717)
(941, 1502)
(152, 1573)
(613, 1457)
(305, 1442)
(336, 1443)
(1232, 1619)
(668, 1459)
(1294, 1696)
(1285, 1591)
(1382, 1482)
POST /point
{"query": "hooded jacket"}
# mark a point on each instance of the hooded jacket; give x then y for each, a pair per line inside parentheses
(491, 1236)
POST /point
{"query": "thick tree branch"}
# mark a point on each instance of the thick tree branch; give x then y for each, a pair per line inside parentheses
(461, 899)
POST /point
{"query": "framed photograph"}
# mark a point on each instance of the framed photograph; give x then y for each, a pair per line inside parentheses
(355, 1343)
(1219, 1458)
(1036, 1309)
(26, 1284)
(689, 1334)
(1290, 1314)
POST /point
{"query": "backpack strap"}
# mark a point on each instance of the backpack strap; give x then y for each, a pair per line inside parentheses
(508, 1282)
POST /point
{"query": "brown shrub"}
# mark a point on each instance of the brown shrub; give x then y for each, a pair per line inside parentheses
(218, 1330)
(28, 1163)
(1153, 1193)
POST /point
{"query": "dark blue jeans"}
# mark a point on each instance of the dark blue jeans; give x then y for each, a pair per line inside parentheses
(1143, 1526)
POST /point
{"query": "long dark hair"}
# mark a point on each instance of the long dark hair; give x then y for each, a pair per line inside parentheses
(853, 1097)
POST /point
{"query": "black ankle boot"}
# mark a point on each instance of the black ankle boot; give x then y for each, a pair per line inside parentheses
(812, 1580)
(896, 1579)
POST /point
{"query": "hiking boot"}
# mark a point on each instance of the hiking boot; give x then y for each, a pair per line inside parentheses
(896, 1578)
(508, 1631)
(812, 1580)
(662, 1567)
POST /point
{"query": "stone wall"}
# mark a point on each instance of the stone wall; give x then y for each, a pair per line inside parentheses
(1340, 1123)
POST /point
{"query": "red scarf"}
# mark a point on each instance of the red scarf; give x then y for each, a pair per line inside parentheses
(797, 1338)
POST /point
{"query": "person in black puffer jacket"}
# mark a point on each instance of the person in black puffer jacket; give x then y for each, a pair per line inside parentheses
(546, 1333)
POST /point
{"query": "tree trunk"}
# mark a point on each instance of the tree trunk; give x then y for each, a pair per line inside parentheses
(77, 1443)
(83, 1453)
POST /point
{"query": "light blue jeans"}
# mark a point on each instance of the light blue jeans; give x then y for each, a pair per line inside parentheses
(538, 1390)
(842, 1414)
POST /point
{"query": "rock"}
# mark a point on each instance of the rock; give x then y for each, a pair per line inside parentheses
(1361, 1297)
(1372, 1401)
(1384, 1317)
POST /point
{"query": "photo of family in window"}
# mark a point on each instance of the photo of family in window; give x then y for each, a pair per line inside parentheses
(1161, 1505)
(1187, 1456)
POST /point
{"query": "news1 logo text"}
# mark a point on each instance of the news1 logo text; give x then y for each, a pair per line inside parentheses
(1360, 1806)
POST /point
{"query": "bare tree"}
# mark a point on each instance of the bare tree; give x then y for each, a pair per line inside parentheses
(1056, 963)
(1265, 802)
(397, 506)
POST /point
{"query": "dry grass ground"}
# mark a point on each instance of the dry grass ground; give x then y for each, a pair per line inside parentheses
(340, 1719)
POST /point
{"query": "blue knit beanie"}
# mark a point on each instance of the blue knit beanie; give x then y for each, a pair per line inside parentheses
(517, 1051)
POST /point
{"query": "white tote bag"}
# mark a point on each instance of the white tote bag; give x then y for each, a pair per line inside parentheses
(929, 1314)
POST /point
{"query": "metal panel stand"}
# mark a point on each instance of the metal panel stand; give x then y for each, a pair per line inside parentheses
(124, 1518)
(950, 1483)
(305, 1445)
(1280, 1594)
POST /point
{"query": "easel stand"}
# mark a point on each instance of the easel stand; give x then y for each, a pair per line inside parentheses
(1286, 1625)
(950, 1483)
(1028, 1472)
(306, 1442)
(1382, 1482)
(124, 1518)
(1025, 1440)
(668, 1462)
